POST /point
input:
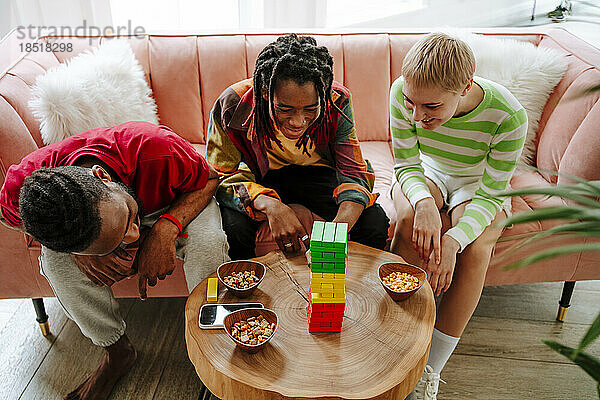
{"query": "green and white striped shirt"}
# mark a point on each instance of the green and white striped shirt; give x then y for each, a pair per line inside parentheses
(486, 142)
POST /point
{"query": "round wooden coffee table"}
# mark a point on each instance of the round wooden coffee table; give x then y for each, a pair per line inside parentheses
(379, 354)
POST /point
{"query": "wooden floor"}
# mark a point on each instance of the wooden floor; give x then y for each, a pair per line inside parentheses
(499, 356)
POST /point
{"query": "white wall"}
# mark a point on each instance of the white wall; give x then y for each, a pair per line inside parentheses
(46, 15)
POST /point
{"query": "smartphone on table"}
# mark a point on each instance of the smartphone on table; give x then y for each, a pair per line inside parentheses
(213, 315)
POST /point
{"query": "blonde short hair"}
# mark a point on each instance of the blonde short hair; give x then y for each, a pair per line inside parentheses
(439, 60)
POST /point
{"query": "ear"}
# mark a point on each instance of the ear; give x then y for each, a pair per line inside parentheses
(467, 88)
(101, 174)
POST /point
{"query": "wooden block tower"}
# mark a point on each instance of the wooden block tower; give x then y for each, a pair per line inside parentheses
(327, 294)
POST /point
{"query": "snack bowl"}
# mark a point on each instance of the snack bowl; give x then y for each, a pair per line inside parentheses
(230, 267)
(387, 268)
(243, 315)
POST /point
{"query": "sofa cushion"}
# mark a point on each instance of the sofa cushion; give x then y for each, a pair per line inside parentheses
(174, 76)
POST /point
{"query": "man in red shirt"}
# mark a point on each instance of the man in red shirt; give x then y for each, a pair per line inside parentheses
(106, 204)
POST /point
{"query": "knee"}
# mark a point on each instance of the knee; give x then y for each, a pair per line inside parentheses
(476, 256)
(404, 224)
(54, 265)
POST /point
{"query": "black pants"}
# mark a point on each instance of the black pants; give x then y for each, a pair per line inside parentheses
(313, 188)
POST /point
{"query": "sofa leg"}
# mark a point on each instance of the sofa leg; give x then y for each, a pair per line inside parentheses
(565, 300)
(41, 316)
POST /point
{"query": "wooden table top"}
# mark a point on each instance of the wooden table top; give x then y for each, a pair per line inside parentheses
(380, 353)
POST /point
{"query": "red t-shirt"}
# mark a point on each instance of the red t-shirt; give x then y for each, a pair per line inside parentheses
(152, 160)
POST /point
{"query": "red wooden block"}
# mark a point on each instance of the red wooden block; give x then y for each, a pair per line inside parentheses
(312, 329)
(324, 324)
(321, 318)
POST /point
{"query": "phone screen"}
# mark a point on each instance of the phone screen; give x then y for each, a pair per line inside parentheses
(212, 315)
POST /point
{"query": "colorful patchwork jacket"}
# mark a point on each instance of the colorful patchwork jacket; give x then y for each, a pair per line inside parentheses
(234, 151)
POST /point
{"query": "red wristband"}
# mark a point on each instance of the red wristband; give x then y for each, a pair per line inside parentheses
(176, 222)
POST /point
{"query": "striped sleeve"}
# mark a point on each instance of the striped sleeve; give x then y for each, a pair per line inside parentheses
(239, 189)
(500, 162)
(407, 169)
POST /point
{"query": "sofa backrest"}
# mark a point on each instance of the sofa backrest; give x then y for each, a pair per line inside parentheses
(187, 73)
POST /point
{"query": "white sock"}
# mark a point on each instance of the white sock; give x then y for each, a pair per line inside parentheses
(442, 346)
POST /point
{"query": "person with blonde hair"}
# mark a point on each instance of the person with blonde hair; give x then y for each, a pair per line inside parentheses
(457, 139)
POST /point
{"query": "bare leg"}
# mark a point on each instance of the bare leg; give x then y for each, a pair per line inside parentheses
(459, 302)
(401, 242)
(118, 359)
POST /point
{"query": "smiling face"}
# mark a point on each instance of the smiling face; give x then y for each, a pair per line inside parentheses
(431, 106)
(295, 107)
(119, 213)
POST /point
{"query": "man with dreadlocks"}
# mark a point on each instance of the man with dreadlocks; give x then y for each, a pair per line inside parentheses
(287, 136)
(105, 204)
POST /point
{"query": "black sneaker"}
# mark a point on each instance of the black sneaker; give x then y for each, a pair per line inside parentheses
(560, 13)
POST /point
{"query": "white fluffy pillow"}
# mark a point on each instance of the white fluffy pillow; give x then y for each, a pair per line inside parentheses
(104, 87)
(529, 72)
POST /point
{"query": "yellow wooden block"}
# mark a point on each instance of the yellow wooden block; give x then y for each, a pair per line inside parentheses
(337, 283)
(328, 275)
(316, 298)
(211, 290)
(337, 292)
(327, 286)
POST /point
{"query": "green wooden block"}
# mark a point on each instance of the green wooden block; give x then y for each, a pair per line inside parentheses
(316, 236)
(318, 270)
(317, 231)
(315, 265)
(318, 248)
(340, 255)
(329, 256)
(315, 255)
(340, 246)
(328, 234)
(339, 265)
(329, 267)
(341, 233)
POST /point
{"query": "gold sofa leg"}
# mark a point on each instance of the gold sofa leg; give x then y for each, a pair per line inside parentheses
(41, 316)
(565, 300)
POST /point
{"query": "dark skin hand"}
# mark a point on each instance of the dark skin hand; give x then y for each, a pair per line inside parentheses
(105, 270)
(286, 228)
(285, 225)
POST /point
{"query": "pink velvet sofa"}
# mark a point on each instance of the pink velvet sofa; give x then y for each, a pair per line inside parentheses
(188, 72)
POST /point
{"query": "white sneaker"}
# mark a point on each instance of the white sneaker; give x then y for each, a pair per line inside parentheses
(427, 387)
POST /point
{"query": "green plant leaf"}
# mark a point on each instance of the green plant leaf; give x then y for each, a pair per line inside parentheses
(591, 335)
(591, 184)
(558, 191)
(573, 213)
(553, 252)
(592, 89)
(577, 227)
(588, 363)
(546, 213)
